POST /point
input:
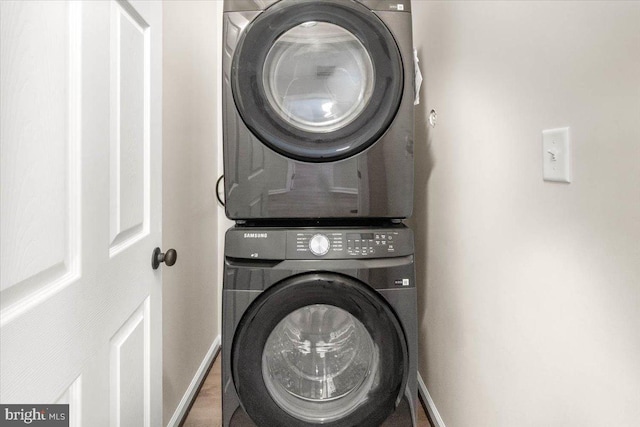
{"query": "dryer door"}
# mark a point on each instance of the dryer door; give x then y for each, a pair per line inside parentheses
(319, 348)
(317, 81)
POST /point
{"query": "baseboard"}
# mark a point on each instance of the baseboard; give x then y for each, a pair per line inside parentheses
(432, 411)
(191, 392)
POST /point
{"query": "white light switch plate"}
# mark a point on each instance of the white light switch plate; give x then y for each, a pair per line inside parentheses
(556, 155)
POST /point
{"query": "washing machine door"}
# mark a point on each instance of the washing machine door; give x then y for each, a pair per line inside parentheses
(319, 348)
(317, 80)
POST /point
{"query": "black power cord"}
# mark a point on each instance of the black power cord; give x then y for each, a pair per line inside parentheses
(217, 191)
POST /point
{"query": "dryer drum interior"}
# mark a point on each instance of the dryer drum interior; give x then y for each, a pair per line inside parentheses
(319, 348)
(317, 81)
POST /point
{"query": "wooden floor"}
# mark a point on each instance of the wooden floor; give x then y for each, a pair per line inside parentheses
(207, 408)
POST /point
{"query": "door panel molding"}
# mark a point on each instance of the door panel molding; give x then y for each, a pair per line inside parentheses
(129, 139)
(73, 397)
(130, 374)
(41, 186)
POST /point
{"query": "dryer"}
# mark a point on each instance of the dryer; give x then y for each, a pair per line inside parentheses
(319, 327)
(318, 109)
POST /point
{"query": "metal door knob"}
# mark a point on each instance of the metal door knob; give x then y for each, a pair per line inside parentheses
(169, 258)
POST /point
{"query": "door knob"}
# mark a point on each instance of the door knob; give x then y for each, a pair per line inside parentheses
(169, 258)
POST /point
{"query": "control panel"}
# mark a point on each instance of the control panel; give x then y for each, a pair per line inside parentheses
(316, 243)
(371, 243)
(345, 244)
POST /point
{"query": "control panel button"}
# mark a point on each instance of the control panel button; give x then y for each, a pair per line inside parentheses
(319, 245)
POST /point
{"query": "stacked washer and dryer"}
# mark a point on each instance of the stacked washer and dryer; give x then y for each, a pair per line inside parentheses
(319, 294)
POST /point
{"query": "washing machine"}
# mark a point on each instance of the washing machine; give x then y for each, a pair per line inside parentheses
(318, 109)
(319, 327)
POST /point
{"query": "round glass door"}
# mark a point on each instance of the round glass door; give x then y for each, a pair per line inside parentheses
(318, 77)
(318, 362)
(319, 349)
(317, 81)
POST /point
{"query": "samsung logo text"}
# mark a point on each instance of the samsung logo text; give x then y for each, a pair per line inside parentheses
(255, 235)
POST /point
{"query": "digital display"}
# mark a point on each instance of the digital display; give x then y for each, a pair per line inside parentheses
(363, 236)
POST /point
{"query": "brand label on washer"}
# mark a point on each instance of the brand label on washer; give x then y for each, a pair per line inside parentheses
(255, 235)
(398, 6)
(401, 282)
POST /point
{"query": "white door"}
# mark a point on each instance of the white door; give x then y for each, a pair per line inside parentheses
(81, 202)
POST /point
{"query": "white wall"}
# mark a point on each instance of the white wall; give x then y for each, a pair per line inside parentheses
(190, 213)
(530, 298)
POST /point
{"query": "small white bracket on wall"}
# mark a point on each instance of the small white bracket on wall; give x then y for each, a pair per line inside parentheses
(556, 155)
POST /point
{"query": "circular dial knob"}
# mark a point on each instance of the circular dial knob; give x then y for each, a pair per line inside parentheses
(319, 244)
